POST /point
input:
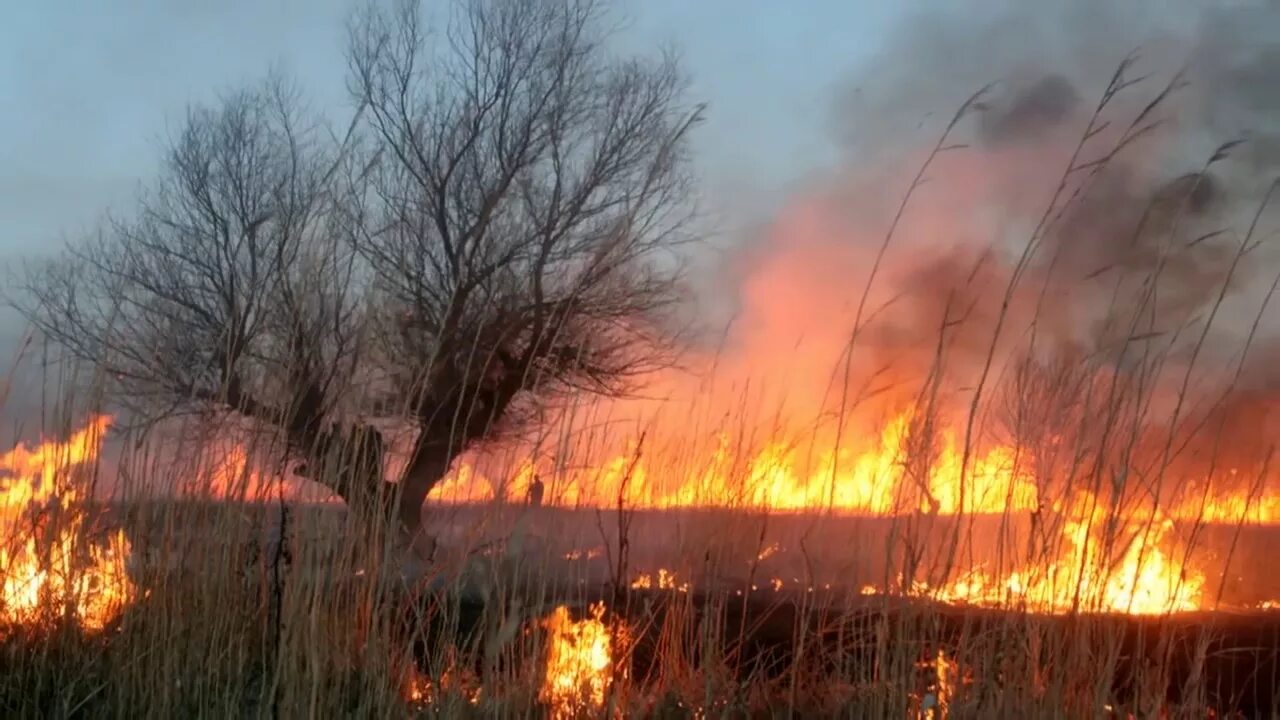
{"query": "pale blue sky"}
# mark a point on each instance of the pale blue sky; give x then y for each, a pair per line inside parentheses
(89, 87)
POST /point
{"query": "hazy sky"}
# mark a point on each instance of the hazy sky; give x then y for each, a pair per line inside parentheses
(88, 89)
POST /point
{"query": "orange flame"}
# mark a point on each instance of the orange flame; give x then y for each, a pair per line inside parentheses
(778, 477)
(579, 662)
(1133, 561)
(664, 580)
(419, 689)
(1135, 577)
(48, 566)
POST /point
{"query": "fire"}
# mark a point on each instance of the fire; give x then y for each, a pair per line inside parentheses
(1137, 577)
(1112, 555)
(783, 478)
(937, 701)
(48, 564)
(590, 554)
(229, 469)
(664, 580)
(230, 476)
(1116, 550)
(945, 669)
(879, 477)
(419, 689)
(579, 662)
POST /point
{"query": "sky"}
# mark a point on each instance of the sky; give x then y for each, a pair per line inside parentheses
(88, 90)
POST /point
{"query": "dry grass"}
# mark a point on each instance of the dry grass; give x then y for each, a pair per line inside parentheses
(231, 620)
(231, 623)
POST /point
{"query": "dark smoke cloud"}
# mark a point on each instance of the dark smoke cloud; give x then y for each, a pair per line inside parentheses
(940, 288)
(1029, 111)
(1049, 63)
(929, 319)
(1237, 64)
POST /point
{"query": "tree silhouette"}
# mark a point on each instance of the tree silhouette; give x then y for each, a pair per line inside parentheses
(497, 227)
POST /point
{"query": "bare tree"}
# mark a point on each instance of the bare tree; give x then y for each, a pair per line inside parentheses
(498, 228)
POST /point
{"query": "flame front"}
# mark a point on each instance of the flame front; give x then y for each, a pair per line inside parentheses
(855, 478)
(1112, 549)
(48, 565)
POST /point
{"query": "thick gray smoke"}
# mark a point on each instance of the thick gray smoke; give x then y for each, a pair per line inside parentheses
(1163, 208)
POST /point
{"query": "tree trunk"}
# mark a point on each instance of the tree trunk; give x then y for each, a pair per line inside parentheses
(350, 462)
(430, 463)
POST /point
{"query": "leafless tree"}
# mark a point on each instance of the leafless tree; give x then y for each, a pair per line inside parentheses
(499, 227)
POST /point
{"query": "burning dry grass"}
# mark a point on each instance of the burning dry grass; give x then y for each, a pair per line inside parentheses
(225, 618)
(898, 572)
(579, 667)
(49, 565)
(1055, 538)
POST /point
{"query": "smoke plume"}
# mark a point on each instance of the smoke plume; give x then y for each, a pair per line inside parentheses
(1044, 227)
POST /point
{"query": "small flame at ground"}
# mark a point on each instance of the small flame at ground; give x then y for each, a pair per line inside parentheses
(591, 554)
(663, 580)
(48, 566)
(579, 663)
(418, 689)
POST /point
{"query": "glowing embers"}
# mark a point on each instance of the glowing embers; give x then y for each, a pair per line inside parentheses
(49, 566)
(419, 689)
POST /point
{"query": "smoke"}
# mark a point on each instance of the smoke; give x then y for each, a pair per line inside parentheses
(999, 234)
(1043, 104)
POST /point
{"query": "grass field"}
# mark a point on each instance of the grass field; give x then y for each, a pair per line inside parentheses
(721, 613)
